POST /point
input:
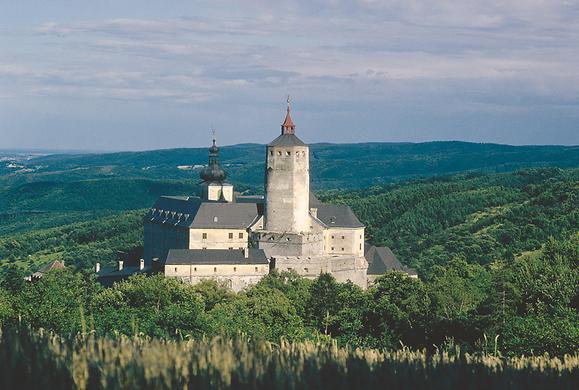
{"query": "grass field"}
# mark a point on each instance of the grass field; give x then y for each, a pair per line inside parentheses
(37, 359)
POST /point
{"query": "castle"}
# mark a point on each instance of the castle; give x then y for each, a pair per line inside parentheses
(239, 239)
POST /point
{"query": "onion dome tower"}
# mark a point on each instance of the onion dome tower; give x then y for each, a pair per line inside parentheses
(214, 187)
(213, 171)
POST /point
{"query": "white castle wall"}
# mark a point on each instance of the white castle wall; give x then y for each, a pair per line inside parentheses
(287, 189)
(237, 277)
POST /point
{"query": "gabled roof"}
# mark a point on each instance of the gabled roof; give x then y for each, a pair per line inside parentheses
(225, 215)
(287, 140)
(56, 264)
(337, 215)
(382, 259)
(191, 212)
(215, 256)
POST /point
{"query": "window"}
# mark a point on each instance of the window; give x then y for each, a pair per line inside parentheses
(195, 269)
(231, 236)
(288, 153)
(332, 248)
(360, 246)
(175, 269)
(234, 269)
(205, 236)
(306, 270)
(279, 153)
(255, 269)
(342, 249)
(241, 248)
(360, 236)
(215, 219)
(204, 247)
(214, 269)
(230, 248)
(240, 235)
(271, 152)
(343, 237)
(332, 237)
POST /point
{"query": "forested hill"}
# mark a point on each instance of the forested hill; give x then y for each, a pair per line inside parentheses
(475, 218)
(332, 165)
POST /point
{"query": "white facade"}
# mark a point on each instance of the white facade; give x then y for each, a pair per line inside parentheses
(287, 179)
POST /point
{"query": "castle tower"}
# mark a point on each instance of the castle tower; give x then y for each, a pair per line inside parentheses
(214, 186)
(287, 181)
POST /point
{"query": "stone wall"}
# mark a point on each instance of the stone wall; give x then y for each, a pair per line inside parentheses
(343, 268)
(213, 191)
(287, 182)
(236, 277)
(342, 241)
(218, 238)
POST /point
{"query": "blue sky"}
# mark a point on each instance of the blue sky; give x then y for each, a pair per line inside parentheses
(134, 75)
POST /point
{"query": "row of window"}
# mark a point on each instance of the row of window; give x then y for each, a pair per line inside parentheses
(344, 237)
(240, 235)
(344, 249)
(288, 153)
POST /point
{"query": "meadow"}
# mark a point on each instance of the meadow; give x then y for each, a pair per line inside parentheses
(43, 360)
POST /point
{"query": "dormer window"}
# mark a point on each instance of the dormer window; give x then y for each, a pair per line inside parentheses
(215, 219)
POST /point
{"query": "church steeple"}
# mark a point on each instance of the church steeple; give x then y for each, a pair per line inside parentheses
(213, 171)
(288, 126)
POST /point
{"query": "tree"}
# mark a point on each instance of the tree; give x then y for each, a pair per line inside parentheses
(260, 312)
(153, 305)
(398, 311)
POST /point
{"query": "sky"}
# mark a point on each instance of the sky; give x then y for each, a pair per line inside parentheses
(140, 74)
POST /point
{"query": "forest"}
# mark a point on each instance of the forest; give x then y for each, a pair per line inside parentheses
(496, 254)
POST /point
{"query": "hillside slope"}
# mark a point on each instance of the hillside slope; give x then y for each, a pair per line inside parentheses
(477, 217)
(332, 165)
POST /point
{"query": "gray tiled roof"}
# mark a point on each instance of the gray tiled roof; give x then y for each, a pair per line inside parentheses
(337, 215)
(191, 212)
(382, 259)
(215, 256)
(287, 140)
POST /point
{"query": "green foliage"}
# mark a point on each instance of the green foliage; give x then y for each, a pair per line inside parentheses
(155, 306)
(481, 218)
(398, 310)
(80, 244)
(260, 312)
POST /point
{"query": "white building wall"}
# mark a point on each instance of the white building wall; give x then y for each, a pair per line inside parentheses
(218, 239)
(342, 241)
(236, 277)
(287, 189)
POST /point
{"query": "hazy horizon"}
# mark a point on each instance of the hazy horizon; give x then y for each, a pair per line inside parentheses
(114, 76)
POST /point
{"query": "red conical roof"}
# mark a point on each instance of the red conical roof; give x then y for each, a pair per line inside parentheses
(288, 126)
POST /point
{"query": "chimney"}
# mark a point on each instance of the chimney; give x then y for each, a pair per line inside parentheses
(141, 264)
(97, 267)
(121, 265)
(246, 253)
(314, 212)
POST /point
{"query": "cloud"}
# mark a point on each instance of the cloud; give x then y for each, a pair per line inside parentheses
(438, 56)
